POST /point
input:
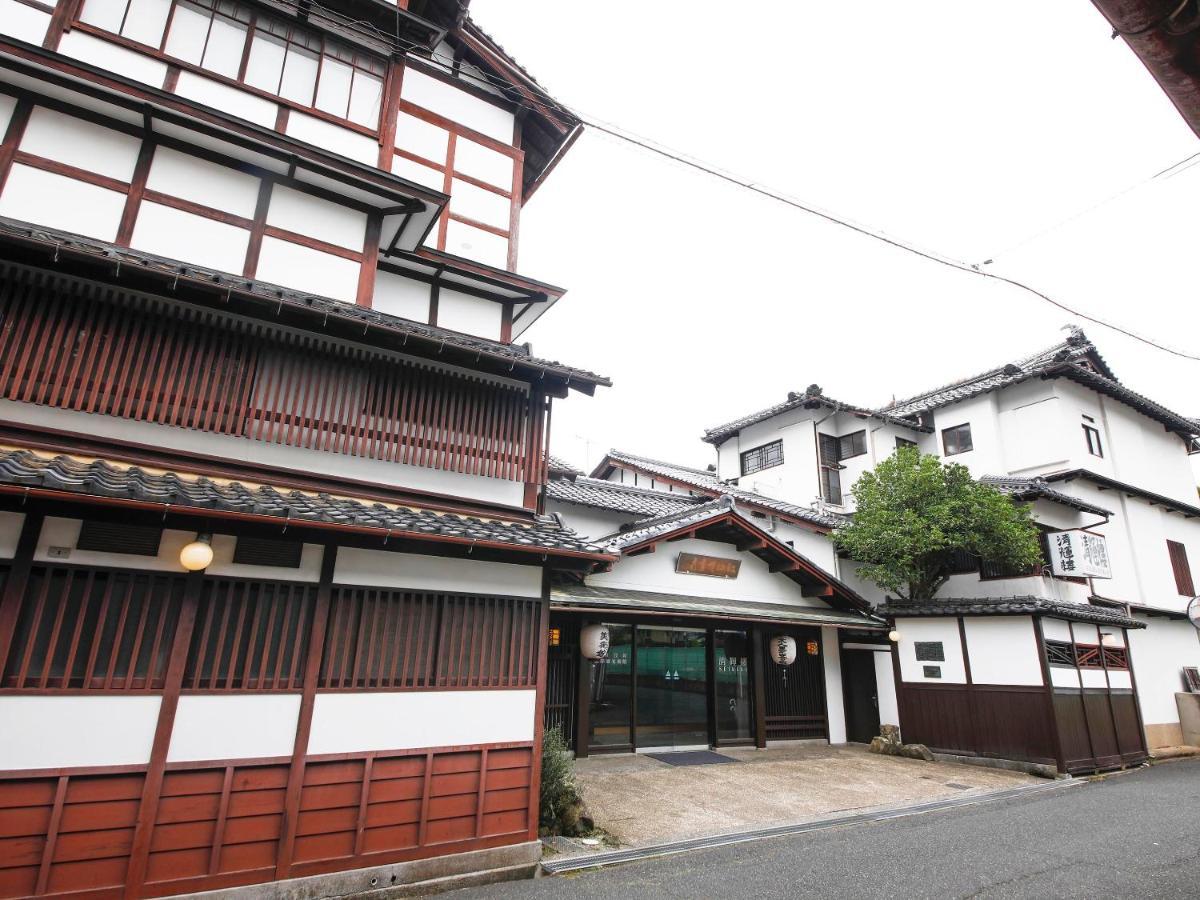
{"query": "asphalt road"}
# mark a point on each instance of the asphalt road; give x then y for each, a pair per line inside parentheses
(1131, 835)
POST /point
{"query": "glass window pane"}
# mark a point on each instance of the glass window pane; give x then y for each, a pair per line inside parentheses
(610, 711)
(189, 30)
(106, 14)
(225, 46)
(146, 21)
(299, 76)
(735, 694)
(672, 687)
(333, 92)
(266, 62)
(364, 99)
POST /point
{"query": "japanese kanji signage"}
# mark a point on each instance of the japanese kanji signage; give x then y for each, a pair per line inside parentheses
(716, 566)
(1079, 554)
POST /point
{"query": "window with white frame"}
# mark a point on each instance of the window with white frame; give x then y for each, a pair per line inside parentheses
(270, 55)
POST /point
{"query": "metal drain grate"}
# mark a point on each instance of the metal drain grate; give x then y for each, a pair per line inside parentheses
(597, 860)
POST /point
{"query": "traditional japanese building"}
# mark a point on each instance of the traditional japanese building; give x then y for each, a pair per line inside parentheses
(275, 571)
(1077, 663)
(708, 582)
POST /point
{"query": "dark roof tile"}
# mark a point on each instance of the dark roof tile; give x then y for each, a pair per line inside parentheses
(101, 478)
(1007, 606)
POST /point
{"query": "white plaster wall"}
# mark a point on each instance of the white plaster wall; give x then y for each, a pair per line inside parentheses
(944, 629)
(483, 163)
(314, 271)
(1119, 680)
(234, 726)
(588, 522)
(23, 22)
(61, 533)
(656, 572)
(982, 414)
(379, 568)
(224, 545)
(1093, 678)
(333, 138)
(296, 459)
(812, 545)
(10, 533)
(1158, 654)
(400, 296)
(1056, 629)
(971, 585)
(482, 206)
(477, 244)
(64, 732)
(1064, 677)
(885, 689)
(46, 198)
(871, 592)
(200, 181)
(346, 723)
(104, 55)
(294, 210)
(227, 99)
(423, 139)
(79, 143)
(470, 315)
(457, 105)
(1003, 650)
(835, 709)
(175, 234)
(434, 179)
(1146, 454)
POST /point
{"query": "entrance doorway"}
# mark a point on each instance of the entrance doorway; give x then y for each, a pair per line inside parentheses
(672, 688)
(862, 695)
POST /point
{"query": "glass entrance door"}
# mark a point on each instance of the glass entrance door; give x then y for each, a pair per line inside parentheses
(672, 688)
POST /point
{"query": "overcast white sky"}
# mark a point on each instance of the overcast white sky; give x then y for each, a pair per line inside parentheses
(963, 127)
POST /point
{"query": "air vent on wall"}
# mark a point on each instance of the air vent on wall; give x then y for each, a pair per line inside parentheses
(253, 551)
(118, 537)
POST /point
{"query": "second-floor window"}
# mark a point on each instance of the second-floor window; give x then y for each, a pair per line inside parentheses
(763, 457)
(850, 445)
(957, 439)
(830, 454)
(902, 443)
(262, 52)
(1091, 434)
(1181, 569)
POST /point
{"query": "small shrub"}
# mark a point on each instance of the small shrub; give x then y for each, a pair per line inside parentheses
(559, 796)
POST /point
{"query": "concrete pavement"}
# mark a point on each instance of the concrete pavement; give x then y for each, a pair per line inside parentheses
(1132, 835)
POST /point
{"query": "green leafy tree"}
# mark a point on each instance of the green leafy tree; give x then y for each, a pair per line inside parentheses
(913, 514)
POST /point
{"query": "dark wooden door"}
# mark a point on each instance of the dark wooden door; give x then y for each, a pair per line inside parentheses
(862, 698)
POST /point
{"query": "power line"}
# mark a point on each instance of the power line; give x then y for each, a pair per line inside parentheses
(550, 106)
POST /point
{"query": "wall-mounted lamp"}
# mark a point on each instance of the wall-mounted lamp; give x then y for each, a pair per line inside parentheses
(198, 554)
(894, 636)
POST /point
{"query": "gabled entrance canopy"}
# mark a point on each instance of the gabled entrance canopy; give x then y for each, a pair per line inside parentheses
(721, 521)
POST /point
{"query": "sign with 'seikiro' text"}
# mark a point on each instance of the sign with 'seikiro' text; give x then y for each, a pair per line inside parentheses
(1079, 554)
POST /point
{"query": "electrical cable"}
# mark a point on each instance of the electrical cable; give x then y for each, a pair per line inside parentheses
(550, 106)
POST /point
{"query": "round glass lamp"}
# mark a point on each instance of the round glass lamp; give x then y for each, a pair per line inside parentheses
(198, 554)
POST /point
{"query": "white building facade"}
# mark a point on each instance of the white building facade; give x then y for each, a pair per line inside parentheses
(1060, 432)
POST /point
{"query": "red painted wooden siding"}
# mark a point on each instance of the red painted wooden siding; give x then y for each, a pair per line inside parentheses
(221, 825)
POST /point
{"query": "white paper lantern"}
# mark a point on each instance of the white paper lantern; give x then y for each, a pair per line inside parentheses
(783, 650)
(593, 641)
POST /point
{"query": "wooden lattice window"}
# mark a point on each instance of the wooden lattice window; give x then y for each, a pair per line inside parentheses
(250, 636)
(386, 639)
(1060, 653)
(175, 365)
(93, 629)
